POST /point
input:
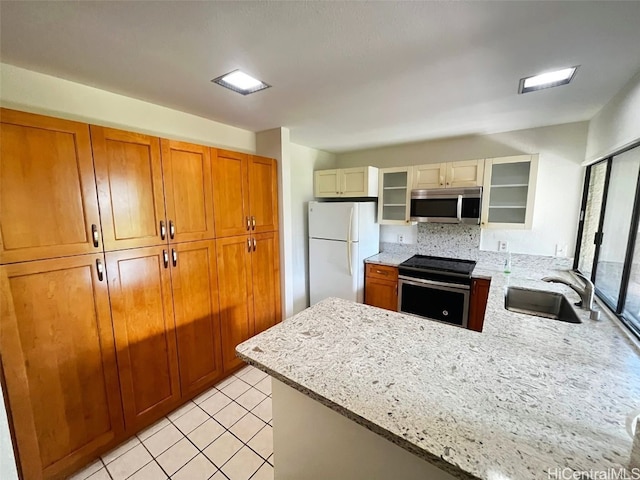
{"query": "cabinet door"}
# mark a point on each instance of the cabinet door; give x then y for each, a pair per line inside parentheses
(194, 280)
(509, 192)
(356, 182)
(48, 201)
(326, 183)
(236, 295)
(381, 293)
(129, 176)
(230, 193)
(188, 191)
(59, 362)
(394, 196)
(465, 174)
(429, 176)
(263, 194)
(140, 291)
(265, 269)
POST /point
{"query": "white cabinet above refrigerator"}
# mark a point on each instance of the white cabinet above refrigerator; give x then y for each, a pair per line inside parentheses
(346, 183)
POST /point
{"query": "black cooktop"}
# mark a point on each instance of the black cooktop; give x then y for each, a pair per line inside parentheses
(440, 264)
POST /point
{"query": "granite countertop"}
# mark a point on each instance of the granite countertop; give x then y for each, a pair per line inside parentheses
(524, 397)
(389, 259)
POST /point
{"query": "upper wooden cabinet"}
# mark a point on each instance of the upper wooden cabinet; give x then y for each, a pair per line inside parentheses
(48, 201)
(59, 363)
(144, 327)
(245, 193)
(509, 192)
(346, 182)
(188, 191)
(194, 283)
(129, 177)
(394, 196)
(468, 173)
(263, 194)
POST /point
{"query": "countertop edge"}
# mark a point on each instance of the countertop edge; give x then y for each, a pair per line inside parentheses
(434, 460)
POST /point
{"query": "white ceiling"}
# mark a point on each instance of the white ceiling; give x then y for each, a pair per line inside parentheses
(345, 75)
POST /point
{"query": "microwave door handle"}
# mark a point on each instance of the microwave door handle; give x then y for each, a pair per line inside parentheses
(459, 212)
(349, 242)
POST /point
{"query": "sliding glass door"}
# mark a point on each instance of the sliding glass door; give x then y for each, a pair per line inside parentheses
(608, 234)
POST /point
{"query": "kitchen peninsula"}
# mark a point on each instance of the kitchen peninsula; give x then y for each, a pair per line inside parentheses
(524, 399)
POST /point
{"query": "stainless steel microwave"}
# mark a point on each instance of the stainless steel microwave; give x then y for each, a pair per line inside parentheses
(447, 205)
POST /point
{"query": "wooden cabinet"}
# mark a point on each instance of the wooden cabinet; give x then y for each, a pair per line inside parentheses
(381, 286)
(478, 303)
(143, 323)
(129, 177)
(346, 182)
(265, 273)
(188, 191)
(394, 196)
(509, 192)
(59, 363)
(263, 194)
(194, 283)
(236, 295)
(429, 176)
(48, 201)
(245, 189)
(250, 293)
(468, 173)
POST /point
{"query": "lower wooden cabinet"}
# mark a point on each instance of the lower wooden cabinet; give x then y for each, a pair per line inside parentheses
(478, 302)
(381, 286)
(144, 327)
(194, 281)
(59, 363)
(248, 267)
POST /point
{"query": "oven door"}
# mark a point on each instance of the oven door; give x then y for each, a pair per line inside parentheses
(440, 301)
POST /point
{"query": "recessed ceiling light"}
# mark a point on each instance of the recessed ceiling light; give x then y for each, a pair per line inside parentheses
(547, 80)
(240, 82)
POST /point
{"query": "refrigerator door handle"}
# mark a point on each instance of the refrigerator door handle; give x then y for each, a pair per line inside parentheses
(349, 242)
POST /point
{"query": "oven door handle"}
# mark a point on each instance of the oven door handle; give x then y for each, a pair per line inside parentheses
(459, 211)
(420, 281)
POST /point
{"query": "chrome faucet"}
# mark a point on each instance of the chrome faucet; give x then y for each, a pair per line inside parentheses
(586, 292)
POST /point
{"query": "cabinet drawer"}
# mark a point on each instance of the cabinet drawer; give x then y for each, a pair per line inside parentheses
(383, 272)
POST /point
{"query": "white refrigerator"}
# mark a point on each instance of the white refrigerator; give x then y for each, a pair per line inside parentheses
(341, 236)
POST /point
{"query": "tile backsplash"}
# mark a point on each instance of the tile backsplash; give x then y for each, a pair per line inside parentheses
(463, 241)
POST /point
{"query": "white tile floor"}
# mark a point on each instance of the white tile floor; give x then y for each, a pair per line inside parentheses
(225, 433)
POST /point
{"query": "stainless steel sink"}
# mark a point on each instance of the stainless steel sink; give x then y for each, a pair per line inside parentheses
(540, 303)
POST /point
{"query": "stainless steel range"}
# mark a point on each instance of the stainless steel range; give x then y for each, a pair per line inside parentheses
(436, 288)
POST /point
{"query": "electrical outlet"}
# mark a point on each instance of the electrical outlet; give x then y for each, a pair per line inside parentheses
(561, 250)
(503, 246)
(400, 238)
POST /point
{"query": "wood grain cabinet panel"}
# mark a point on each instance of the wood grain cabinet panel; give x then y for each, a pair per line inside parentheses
(195, 297)
(236, 295)
(130, 191)
(230, 193)
(188, 191)
(59, 362)
(478, 303)
(265, 270)
(48, 200)
(381, 286)
(263, 194)
(144, 327)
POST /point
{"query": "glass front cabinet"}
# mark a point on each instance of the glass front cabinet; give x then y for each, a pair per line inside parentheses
(509, 192)
(394, 196)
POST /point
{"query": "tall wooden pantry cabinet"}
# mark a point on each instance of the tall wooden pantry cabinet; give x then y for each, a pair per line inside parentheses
(115, 280)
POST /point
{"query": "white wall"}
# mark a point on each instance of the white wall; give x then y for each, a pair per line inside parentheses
(560, 178)
(38, 93)
(617, 124)
(8, 469)
(304, 161)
